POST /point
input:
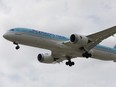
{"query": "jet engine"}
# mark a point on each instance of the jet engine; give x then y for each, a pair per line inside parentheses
(79, 39)
(45, 58)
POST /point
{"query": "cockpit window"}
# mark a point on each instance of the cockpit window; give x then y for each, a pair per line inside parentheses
(12, 30)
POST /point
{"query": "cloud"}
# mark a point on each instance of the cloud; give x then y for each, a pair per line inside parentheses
(21, 68)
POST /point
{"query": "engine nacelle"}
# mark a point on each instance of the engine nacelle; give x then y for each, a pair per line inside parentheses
(79, 39)
(45, 58)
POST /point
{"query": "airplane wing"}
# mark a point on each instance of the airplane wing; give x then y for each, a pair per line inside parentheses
(95, 38)
(98, 37)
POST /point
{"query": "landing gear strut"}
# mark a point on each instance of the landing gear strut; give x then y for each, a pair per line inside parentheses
(17, 45)
(70, 63)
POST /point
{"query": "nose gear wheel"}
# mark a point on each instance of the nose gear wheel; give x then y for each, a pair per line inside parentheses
(17, 45)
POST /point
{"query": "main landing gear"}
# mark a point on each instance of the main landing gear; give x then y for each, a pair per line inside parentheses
(69, 62)
(17, 45)
(86, 54)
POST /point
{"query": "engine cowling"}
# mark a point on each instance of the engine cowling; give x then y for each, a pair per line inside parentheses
(79, 39)
(45, 58)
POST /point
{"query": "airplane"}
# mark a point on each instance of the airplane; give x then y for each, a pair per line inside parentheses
(64, 48)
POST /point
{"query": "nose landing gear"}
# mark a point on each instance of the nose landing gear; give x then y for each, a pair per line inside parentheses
(17, 45)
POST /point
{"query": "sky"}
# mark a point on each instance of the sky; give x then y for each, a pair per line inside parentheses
(64, 17)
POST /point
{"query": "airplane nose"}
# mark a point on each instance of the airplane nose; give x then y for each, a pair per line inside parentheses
(9, 36)
(4, 35)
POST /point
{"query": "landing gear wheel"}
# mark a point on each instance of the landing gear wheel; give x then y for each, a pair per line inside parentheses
(17, 47)
(69, 63)
(72, 63)
(86, 54)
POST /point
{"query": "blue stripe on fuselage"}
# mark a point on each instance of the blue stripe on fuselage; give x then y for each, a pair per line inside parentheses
(40, 34)
(106, 49)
